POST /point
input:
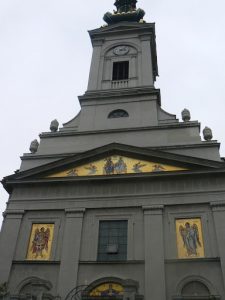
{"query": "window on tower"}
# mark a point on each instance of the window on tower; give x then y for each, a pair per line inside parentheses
(120, 70)
(118, 113)
(112, 242)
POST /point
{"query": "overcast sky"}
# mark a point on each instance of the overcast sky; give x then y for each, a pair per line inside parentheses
(45, 55)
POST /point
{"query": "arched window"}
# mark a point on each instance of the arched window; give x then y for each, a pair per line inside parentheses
(33, 288)
(195, 288)
(118, 113)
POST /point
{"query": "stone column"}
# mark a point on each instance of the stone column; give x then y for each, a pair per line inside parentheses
(8, 240)
(67, 279)
(95, 64)
(154, 253)
(146, 65)
(218, 209)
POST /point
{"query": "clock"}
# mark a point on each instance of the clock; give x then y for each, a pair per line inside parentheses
(121, 50)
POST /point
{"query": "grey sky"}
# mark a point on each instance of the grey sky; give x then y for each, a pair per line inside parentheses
(45, 55)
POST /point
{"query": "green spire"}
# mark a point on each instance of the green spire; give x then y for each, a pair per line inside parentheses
(126, 11)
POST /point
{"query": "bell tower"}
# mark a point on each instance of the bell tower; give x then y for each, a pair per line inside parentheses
(124, 51)
(122, 73)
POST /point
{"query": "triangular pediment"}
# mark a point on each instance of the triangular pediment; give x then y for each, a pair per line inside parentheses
(113, 160)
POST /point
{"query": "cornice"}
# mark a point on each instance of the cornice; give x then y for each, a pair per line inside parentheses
(127, 200)
(113, 178)
(125, 92)
(122, 27)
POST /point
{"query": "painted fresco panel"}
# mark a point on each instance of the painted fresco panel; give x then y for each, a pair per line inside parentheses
(189, 238)
(40, 243)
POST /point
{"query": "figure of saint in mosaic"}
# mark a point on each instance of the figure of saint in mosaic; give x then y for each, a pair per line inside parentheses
(190, 236)
(40, 241)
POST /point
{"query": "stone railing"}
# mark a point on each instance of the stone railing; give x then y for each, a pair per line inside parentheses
(118, 84)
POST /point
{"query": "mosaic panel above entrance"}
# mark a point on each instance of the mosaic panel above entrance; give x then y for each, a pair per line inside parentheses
(107, 289)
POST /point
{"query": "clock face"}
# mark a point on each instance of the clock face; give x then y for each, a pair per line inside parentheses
(121, 50)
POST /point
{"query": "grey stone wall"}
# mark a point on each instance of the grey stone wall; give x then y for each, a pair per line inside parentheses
(151, 207)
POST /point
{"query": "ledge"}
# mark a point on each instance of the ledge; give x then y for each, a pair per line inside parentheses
(36, 262)
(194, 260)
(117, 177)
(64, 132)
(122, 92)
(124, 262)
(30, 156)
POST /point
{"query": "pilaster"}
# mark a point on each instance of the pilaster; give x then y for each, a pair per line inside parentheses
(67, 279)
(9, 235)
(218, 209)
(93, 76)
(146, 65)
(154, 253)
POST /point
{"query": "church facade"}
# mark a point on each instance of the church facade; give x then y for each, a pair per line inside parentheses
(124, 201)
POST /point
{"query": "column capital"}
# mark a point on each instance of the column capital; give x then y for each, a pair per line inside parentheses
(218, 205)
(74, 212)
(13, 213)
(97, 42)
(153, 209)
(145, 37)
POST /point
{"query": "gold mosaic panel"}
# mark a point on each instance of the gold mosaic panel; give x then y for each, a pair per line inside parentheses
(40, 243)
(116, 164)
(189, 238)
(107, 289)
